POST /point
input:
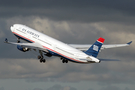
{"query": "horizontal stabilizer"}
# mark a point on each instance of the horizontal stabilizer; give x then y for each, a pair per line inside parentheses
(129, 43)
(109, 60)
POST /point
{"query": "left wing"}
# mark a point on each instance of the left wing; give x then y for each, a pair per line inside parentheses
(28, 45)
(86, 47)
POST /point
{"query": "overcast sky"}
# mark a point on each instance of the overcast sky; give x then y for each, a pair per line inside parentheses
(71, 21)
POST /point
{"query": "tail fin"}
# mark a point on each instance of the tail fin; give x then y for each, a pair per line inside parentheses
(94, 49)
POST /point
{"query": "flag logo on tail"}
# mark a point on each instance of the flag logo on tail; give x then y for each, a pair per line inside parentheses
(95, 47)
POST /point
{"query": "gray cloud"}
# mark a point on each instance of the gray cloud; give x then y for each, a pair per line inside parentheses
(2, 88)
(75, 10)
(37, 89)
(115, 4)
(55, 71)
(111, 88)
(70, 32)
(91, 89)
(70, 22)
(59, 87)
(73, 21)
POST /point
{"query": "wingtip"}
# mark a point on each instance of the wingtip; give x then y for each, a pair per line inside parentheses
(6, 40)
(129, 42)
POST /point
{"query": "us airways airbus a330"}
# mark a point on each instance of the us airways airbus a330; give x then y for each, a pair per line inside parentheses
(48, 46)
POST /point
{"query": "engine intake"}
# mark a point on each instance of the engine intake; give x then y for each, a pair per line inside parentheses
(24, 49)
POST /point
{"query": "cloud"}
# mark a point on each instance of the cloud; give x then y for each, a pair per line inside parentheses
(59, 87)
(54, 70)
(1, 34)
(37, 89)
(115, 30)
(22, 65)
(82, 11)
(111, 88)
(2, 88)
(71, 22)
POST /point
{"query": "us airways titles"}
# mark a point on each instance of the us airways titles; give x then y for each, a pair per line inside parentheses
(30, 32)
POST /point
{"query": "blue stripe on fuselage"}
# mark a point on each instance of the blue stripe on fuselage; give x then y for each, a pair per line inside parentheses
(56, 54)
(53, 53)
(23, 38)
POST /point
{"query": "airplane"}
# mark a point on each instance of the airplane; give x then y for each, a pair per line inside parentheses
(48, 46)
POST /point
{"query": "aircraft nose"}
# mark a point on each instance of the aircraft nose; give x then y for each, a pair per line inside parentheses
(12, 28)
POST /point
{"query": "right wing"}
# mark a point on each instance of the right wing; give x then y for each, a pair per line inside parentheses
(87, 46)
(116, 45)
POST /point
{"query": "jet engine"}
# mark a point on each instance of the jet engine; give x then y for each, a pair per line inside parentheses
(24, 49)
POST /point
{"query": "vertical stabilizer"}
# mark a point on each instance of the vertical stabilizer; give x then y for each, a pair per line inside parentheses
(95, 48)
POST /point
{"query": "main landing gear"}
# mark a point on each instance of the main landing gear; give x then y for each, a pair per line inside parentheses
(64, 60)
(41, 58)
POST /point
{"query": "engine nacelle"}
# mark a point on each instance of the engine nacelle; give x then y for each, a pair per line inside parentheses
(24, 49)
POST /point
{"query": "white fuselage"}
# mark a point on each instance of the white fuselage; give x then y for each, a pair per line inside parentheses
(52, 45)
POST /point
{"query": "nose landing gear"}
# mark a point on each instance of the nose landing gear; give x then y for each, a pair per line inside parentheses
(42, 60)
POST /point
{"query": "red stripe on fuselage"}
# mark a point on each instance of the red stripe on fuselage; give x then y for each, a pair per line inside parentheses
(50, 49)
(23, 37)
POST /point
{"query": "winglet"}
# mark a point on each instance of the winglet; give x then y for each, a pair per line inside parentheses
(129, 42)
(6, 40)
